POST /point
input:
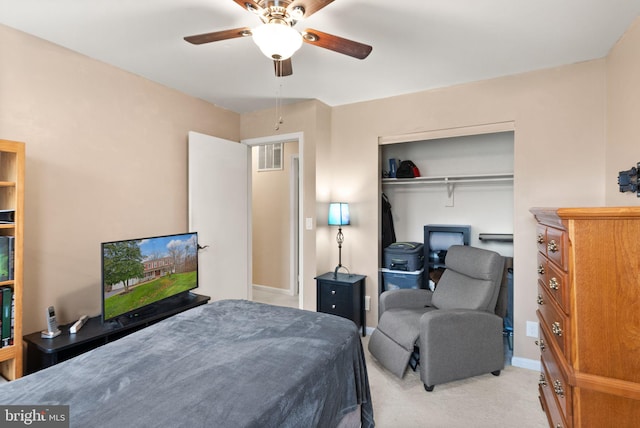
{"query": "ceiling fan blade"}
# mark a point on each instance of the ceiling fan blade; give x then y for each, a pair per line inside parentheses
(283, 68)
(310, 6)
(335, 43)
(199, 39)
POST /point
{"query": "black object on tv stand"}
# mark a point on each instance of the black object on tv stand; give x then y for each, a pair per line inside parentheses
(43, 353)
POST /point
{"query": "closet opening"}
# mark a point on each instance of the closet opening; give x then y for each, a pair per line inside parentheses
(465, 179)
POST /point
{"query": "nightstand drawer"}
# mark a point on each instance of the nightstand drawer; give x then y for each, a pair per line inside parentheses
(334, 292)
(336, 307)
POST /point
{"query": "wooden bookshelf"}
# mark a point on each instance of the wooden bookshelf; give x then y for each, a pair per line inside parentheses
(12, 165)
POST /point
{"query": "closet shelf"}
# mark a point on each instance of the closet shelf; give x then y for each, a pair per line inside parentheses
(498, 237)
(475, 178)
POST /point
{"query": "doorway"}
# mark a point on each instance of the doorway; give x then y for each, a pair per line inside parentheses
(275, 219)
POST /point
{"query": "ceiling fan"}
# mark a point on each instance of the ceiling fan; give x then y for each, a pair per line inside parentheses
(277, 38)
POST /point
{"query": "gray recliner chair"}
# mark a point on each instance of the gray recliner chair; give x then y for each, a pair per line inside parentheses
(454, 329)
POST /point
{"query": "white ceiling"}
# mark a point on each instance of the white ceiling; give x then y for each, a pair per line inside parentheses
(417, 45)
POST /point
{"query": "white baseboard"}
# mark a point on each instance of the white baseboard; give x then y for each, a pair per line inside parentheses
(526, 363)
(272, 289)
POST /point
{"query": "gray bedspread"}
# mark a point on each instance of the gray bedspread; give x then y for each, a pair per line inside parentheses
(231, 363)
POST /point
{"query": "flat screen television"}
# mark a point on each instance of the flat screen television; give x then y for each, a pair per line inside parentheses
(139, 273)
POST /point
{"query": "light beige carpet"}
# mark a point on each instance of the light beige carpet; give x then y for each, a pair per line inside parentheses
(509, 400)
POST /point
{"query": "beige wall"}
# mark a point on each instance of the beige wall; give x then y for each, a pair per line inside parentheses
(106, 160)
(623, 111)
(271, 228)
(558, 116)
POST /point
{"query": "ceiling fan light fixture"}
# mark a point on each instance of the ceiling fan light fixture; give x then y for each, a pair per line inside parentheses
(277, 41)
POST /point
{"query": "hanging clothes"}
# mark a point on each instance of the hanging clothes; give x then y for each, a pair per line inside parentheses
(388, 231)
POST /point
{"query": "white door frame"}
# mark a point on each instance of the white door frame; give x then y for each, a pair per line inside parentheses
(294, 231)
(283, 138)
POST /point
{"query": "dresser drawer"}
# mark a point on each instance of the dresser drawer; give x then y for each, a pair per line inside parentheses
(541, 238)
(554, 319)
(557, 284)
(542, 268)
(556, 381)
(555, 414)
(557, 246)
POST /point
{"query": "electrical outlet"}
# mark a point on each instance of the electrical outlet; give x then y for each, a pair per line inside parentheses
(532, 329)
(367, 303)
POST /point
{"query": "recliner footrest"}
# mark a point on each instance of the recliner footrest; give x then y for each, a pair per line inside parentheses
(391, 355)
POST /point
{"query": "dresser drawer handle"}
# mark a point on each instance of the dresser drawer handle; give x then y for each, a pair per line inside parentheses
(333, 291)
(554, 284)
(333, 306)
(540, 300)
(540, 238)
(552, 246)
(540, 270)
(557, 330)
(542, 381)
(557, 388)
(540, 343)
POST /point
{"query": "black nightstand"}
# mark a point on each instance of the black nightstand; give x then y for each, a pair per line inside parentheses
(342, 296)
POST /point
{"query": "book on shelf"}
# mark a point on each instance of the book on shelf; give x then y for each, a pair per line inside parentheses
(13, 316)
(7, 216)
(7, 253)
(7, 308)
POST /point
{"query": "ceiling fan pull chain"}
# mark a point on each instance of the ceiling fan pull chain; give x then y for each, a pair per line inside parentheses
(279, 120)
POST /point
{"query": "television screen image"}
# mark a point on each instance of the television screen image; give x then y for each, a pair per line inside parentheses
(137, 273)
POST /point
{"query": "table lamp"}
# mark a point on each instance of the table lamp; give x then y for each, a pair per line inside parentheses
(339, 216)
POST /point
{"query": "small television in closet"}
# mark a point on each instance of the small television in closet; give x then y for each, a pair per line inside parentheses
(439, 237)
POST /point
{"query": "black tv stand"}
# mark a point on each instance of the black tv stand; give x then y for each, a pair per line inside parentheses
(42, 353)
(158, 309)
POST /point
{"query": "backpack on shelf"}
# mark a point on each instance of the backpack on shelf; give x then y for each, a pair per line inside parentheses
(407, 169)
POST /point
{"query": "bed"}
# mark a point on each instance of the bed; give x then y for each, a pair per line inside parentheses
(231, 363)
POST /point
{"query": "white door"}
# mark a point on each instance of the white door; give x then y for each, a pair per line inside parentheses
(219, 212)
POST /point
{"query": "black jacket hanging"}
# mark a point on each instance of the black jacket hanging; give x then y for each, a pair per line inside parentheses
(388, 232)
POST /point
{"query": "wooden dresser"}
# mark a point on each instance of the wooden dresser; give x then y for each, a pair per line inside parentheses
(589, 312)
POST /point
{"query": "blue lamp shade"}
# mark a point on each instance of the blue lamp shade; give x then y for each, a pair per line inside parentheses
(338, 214)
